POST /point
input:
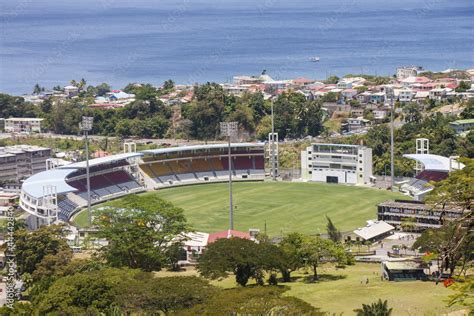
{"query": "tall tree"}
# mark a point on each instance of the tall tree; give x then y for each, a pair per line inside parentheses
(139, 231)
(333, 233)
(291, 246)
(242, 257)
(317, 251)
(37, 89)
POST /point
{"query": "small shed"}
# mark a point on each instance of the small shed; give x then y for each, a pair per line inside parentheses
(403, 270)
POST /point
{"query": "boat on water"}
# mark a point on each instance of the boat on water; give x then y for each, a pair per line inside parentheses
(314, 59)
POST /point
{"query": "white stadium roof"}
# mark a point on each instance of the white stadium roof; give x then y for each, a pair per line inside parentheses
(435, 162)
(33, 186)
(200, 147)
(102, 160)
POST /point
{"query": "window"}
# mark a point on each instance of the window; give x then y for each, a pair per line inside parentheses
(360, 169)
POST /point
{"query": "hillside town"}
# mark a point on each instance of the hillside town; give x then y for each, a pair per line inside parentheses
(357, 102)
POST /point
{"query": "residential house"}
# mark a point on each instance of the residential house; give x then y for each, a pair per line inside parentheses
(349, 93)
(377, 97)
(379, 114)
(421, 96)
(438, 94)
(404, 95)
(357, 112)
(461, 126)
(71, 91)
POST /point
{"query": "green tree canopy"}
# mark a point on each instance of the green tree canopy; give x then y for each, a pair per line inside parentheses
(139, 230)
(242, 257)
(31, 248)
(317, 251)
(253, 301)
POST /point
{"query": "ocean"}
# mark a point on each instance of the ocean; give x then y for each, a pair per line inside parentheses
(116, 41)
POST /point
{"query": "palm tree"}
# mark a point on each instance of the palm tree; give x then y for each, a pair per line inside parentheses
(378, 308)
(82, 84)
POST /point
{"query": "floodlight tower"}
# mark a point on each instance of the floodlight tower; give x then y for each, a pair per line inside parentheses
(273, 152)
(389, 95)
(229, 129)
(86, 127)
(422, 147)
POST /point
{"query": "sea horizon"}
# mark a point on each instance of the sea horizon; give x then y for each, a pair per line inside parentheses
(110, 41)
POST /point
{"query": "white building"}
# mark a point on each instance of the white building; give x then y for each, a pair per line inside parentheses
(71, 91)
(21, 161)
(337, 163)
(404, 95)
(23, 124)
(374, 230)
(410, 71)
(439, 94)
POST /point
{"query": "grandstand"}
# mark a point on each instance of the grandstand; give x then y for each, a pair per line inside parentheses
(201, 164)
(57, 194)
(435, 168)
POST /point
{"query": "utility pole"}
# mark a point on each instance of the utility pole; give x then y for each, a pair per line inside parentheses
(390, 95)
(272, 144)
(229, 129)
(86, 126)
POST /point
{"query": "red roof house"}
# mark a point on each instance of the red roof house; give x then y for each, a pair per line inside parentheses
(227, 234)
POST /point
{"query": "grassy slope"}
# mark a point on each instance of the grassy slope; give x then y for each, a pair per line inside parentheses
(340, 291)
(285, 206)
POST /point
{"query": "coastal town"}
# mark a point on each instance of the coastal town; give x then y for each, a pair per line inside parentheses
(354, 102)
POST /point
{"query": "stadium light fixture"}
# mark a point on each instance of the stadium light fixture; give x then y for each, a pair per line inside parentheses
(86, 127)
(229, 130)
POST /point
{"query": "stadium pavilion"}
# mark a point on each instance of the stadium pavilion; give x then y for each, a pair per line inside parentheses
(57, 194)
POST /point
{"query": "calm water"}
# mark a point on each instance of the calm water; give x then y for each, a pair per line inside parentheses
(117, 41)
